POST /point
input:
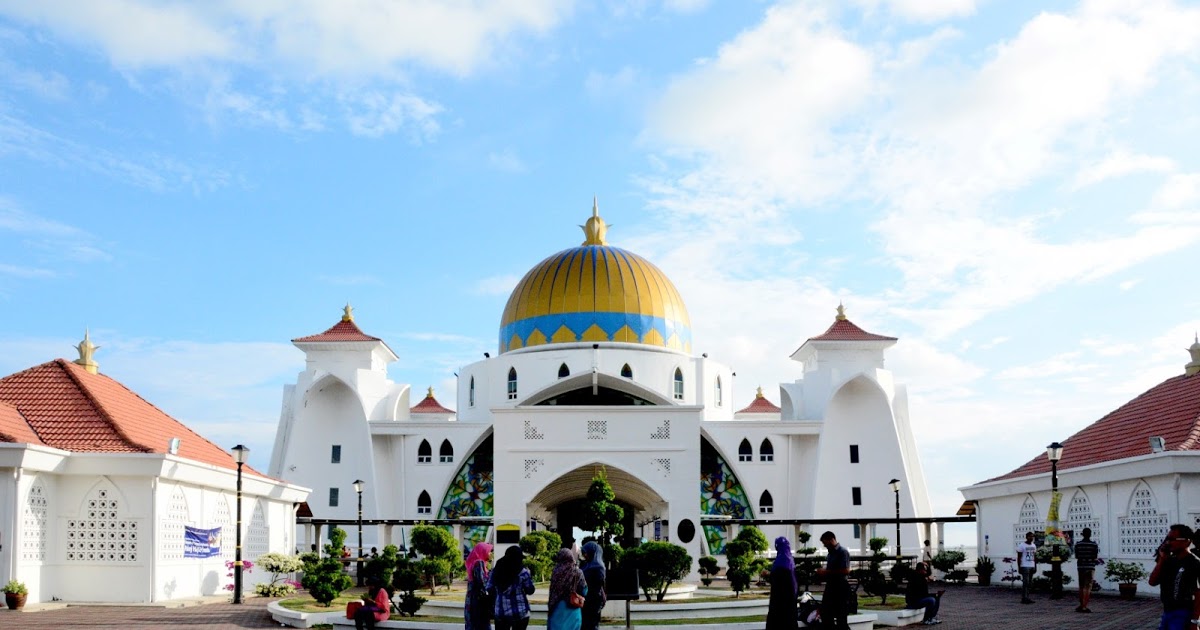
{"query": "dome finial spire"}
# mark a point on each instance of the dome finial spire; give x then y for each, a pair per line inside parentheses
(595, 229)
(87, 351)
(841, 316)
(348, 313)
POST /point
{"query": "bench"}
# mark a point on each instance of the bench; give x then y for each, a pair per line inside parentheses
(901, 617)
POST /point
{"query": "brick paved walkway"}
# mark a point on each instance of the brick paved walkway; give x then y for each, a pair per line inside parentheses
(963, 608)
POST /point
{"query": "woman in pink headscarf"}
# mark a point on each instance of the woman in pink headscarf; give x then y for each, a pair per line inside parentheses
(477, 608)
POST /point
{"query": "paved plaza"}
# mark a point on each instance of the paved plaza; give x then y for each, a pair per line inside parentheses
(964, 608)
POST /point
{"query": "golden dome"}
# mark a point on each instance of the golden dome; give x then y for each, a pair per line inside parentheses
(595, 292)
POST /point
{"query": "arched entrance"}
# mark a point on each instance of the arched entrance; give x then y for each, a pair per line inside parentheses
(561, 501)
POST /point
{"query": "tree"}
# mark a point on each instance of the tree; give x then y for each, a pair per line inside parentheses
(738, 557)
(601, 514)
(540, 548)
(872, 579)
(708, 569)
(754, 537)
(383, 565)
(439, 553)
(407, 579)
(806, 564)
(658, 565)
(324, 577)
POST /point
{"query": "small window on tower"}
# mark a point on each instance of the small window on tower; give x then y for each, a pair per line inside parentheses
(626, 371)
(766, 503)
(766, 452)
(471, 393)
(745, 451)
(856, 495)
(424, 452)
(678, 384)
(853, 453)
(564, 371)
(424, 504)
(333, 497)
(446, 452)
(335, 455)
(512, 383)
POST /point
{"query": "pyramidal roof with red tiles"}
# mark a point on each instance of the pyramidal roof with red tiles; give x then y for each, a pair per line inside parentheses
(760, 404)
(345, 330)
(429, 404)
(72, 409)
(14, 428)
(845, 330)
(1170, 410)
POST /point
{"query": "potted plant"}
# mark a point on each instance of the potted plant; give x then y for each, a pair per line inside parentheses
(984, 568)
(1126, 575)
(14, 594)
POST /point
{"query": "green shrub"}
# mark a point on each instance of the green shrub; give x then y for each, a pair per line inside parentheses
(945, 561)
(280, 566)
(440, 555)
(1124, 572)
(659, 564)
(324, 577)
(806, 564)
(383, 565)
(708, 569)
(754, 537)
(406, 579)
(1045, 553)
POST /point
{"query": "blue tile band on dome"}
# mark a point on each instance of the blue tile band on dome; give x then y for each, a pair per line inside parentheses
(610, 323)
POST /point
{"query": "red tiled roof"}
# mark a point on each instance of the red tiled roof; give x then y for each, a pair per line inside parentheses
(429, 404)
(1170, 409)
(14, 428)
(74, 410)
(846, 330)
(344, 330)
(760, 404)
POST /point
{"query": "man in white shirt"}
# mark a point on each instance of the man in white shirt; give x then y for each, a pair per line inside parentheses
(1026, 565)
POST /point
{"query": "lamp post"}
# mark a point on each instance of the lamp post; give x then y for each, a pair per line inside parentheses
(240, 455)
(895, 484)
(1054, 453)
(358, 487)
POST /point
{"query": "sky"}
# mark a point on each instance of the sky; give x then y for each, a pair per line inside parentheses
(1011, 188)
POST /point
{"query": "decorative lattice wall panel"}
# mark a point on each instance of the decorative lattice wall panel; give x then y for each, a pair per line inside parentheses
(171, 545)
(33, 524)
(1143, 530)
(1030, 520)
(101, 534)
(258, 536)
(1079, 516)
(222, 519)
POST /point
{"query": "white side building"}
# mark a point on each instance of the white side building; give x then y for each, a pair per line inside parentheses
(1128, 476)
(97, 487)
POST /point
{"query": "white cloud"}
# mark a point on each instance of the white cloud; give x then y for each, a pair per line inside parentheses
(507, 161)
(1179, 191)
(923, 10)
(1121, 163)
(20, 271)
(374, 114)
(497, 285)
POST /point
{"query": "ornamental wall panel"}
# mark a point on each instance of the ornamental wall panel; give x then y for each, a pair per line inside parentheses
(102, 532)
(1028, 520)
(1143, 527)
(33, 523)
(178, 516)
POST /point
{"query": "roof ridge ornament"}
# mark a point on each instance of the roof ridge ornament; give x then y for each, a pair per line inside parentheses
(841, 312)
(1193, 367)
(348, 313)
(87, 351)
(759, 394)
(595, 229)
(429, 394)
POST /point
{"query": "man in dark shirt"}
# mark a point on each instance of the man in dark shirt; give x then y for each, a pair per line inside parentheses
(834, 604)
(1086, 554)
(1177, 574)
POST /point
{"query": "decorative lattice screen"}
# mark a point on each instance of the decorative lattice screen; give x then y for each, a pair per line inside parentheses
(100, 535)
(171, 546)
(33, 524)
(1143, 530)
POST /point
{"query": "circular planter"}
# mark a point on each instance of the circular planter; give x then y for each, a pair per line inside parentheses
(15, 601)
(1128, 591)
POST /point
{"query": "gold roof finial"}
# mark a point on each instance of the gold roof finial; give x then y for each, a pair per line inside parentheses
(759, 393)
(841, 316)
(595, 229)
(429, 394)
(348, 313)
(1193, 366)
(87, 351)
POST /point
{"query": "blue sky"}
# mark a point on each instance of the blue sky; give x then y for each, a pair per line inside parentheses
(1009, 187)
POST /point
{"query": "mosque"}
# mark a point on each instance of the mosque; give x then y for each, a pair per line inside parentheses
(594, 369)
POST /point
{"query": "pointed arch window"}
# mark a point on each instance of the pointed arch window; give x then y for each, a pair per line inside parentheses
(512, 383)
(564, 371)
(720, 393)
(766, 451)
(471, 393)
(626, 371)
(446, 452)
(745, 451)
(424, 504)
(678, 384)
(424, 453)
(766, 503)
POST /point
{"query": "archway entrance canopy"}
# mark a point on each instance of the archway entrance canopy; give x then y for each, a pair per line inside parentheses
(574, 485)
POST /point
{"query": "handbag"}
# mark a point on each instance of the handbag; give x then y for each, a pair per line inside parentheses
(575, 600)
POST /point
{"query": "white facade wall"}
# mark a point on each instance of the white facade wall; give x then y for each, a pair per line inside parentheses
(1173, 482)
